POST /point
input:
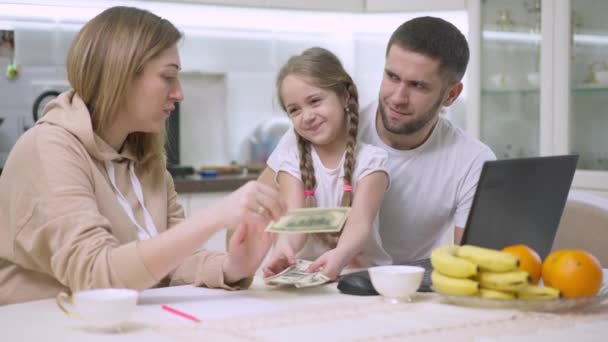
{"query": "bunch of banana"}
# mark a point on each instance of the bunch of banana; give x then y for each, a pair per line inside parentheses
(476, 271)
(499, 277)
(453, 275)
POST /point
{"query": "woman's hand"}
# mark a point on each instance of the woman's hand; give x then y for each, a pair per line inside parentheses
(329, 263)
(254, 203)
(282, 258)
(246, 250)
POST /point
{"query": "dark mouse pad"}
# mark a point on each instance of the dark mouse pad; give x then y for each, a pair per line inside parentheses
(359, 284)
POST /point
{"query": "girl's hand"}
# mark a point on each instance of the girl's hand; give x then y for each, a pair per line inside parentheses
(282, 258)
(246, 251)
(254, 203)
(329, 263)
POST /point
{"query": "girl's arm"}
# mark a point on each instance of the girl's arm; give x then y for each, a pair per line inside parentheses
(365, 207)
(291, 191)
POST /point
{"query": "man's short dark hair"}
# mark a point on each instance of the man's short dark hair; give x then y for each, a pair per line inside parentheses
(438, 39)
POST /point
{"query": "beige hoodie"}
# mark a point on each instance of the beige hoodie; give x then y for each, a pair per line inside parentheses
(61, 225)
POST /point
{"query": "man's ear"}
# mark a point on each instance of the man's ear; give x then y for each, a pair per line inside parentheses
(452, 94)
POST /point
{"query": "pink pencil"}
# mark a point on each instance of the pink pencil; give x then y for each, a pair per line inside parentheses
(180, 313)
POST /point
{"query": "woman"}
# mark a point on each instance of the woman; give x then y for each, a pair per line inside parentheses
(86, 199)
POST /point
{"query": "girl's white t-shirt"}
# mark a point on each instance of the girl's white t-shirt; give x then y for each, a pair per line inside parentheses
(329, 191)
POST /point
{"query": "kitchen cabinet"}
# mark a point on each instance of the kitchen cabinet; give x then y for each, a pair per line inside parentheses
(539, 80)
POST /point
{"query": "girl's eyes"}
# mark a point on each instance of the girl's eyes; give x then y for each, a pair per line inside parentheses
(315, 101)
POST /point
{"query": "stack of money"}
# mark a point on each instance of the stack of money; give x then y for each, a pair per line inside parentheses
(296, 275)
(311, 220)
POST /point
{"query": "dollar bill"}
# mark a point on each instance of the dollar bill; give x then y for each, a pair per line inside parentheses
(296, 275)
(311, 220)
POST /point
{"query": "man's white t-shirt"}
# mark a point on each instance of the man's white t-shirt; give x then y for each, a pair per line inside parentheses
(329, 191)
(432, 186)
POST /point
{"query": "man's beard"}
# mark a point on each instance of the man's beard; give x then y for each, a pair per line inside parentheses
(414, 126)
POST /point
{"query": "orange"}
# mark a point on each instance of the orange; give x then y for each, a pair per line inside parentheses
(529, 260)
(548, 265)
(576, 273)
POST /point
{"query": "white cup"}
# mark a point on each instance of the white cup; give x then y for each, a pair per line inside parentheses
(102, 308)
(395, 282)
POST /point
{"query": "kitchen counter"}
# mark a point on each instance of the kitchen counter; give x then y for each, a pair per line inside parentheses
(221, 183)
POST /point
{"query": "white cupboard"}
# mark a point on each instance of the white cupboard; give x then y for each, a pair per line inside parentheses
(539, 80)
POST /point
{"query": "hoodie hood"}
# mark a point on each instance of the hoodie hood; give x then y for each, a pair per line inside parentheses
(70, 112)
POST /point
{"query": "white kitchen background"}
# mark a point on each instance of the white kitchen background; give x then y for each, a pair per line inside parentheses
(230, 57)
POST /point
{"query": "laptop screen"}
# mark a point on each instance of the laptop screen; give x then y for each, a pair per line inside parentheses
(520, 201)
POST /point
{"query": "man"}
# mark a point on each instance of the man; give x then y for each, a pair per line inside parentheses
(434, 166)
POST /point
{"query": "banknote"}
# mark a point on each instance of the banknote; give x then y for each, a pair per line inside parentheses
(311, 220)
(296, 275)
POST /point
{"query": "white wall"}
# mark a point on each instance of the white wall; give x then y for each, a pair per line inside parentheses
(230, 57)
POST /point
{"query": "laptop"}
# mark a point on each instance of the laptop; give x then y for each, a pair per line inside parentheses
(516, 201)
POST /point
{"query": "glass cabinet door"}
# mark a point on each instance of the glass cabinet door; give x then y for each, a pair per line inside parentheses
(588, 117)
(509, 77)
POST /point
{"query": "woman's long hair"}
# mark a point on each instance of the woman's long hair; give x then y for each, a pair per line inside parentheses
(108, 53)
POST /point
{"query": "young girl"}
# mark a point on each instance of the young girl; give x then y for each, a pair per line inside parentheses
(328, 168)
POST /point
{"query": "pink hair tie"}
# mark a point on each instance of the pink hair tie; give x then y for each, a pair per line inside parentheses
(309, 192)
(348, 188)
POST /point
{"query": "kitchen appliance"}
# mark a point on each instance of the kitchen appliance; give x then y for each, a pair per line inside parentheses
(41, 101)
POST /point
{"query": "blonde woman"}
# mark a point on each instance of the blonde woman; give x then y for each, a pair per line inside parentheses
(86, 199)
(328, 168)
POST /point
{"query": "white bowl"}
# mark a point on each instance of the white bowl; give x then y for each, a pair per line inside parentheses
(395, 282)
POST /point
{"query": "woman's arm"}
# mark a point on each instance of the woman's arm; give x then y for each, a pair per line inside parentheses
(164, 252)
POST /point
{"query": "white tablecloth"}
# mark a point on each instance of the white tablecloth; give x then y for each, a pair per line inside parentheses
(321, 313)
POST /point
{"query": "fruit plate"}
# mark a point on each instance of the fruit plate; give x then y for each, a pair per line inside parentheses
(548, 305)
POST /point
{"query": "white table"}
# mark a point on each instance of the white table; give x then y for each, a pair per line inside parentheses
(321, 313)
